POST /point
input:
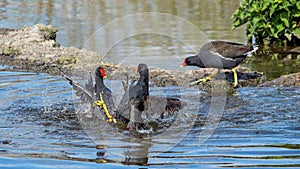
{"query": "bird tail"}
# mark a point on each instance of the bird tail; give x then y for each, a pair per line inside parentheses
(253, 50)
(65, 76)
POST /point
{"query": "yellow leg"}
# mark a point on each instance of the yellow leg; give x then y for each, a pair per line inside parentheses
(205, 79)
(235, 78)
(102, 105)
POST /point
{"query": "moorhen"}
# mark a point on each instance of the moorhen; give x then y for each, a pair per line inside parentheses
(137, 100)
(98, 94)
(221, 55)
(134, 100)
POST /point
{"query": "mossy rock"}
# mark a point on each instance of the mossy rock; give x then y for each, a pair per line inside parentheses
(9, 51)
(49, 32)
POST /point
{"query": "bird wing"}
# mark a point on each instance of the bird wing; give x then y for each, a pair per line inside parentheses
(89, 86)
(231, 50)
(86, 94)
(124, 106)
(158, 105)
(214, 59)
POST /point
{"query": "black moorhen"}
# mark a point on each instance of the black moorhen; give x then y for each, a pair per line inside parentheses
(138, 96)
(136, 100)
(221, 55)
(101, 89)
(87, 93)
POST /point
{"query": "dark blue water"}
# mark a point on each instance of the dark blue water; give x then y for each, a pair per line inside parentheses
(39, 128)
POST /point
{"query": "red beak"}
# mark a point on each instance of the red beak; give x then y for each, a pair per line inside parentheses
(183, 64)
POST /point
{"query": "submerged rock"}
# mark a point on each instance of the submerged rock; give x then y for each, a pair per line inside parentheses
(285, 80)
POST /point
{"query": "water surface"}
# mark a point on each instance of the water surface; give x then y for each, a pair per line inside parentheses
(39, 126)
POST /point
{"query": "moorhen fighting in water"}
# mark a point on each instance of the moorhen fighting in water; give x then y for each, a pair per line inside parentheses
(221, 55)
(137, 100)
(134, 100)
(98, 94)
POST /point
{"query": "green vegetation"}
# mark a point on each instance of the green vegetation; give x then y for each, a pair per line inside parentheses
(289, 146)
(49, 32)
(66, 60)
(8, 51)
(270, 21)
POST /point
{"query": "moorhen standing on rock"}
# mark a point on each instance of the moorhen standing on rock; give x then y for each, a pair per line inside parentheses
(221, 55)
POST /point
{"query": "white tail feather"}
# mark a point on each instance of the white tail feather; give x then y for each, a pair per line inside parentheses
(255, 48)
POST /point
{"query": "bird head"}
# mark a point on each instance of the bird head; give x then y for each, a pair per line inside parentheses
(192, 61)
(142, 68)
(100, 72)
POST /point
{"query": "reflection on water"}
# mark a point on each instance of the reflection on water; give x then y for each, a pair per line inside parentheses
(39, 126)
(77, 21)
(275, 61)
(198, 21)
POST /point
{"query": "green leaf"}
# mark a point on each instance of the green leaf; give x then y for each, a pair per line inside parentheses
(296, 33)
(256, 20)
(236, 13)
(288, 36)
(269, 19)
(265, 6)
(284, 16)
(273, 9)
(272, 29)
(266, 25)
(298, 5)
(236, 23)
(294, 24)
(286, 22)
(279, 28)
(286, 4)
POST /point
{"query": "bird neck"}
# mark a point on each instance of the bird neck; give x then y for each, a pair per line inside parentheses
(144, 80)
(195, 61)
(99, 83)
(198, 62)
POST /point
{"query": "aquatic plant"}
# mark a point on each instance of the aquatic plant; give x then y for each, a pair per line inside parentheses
(49, 32)
(270, 21)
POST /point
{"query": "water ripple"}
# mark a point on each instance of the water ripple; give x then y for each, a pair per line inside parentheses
(259, 129)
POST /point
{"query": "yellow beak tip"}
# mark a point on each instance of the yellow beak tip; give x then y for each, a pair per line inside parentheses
(181, 66)
(104, 77)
